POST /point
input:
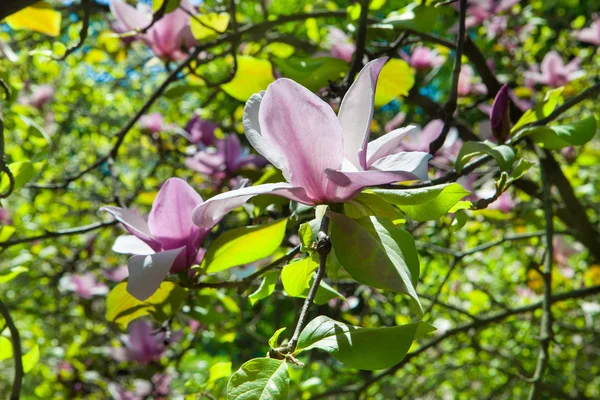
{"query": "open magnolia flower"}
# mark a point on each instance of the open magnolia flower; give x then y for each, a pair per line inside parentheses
(554, 72)
(166, 36)
(167, 242)
(324, 158)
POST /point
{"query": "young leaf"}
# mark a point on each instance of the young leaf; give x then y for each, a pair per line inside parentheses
(377, 253)
(252, 76)
(396, 79)
(240, 246)
(557, 137)
(274, 340)
(552, 99)
(31, 358)
(361, 348)
(296, 275)
(504, 155)
(39, 17)
(171, 5)
(204, 26)
(219, 370)
(12, 273)
(266, 288)
(424, 204)
(260, 379)
(6, 350)
(22, 172)
(122, 308)
(418, 18)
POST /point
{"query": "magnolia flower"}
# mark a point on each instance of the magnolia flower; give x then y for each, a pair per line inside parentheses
(504, 203)
(5, 217)
(201, 131)
(467, 84)
(40, 95)
(85, 285)
(152, 123)
(157, 389)
(341, 47)
(141, 344)
(168, 242)
(420, 139)
(424, 58)
(166, 36)
(481, 10)
(554, 72)
(590, 34)
(395, 122)
(500, 115)
(323, 157)
(224, 159)
(117, 274)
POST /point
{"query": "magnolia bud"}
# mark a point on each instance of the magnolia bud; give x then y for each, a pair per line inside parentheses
(500, 115)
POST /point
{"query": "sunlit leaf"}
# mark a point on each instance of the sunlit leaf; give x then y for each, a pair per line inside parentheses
(559, 136)
(208, 25)
(313, 73)
(296, 275)
(6, 350)
(361, 348)
(241, 246)
(219, 370)
(31, 358)
(552, 99)
(260, 379)
(12, 273)
(171, 5)
(22, 172)
(252, 76)
(274, 340)
(396, 79)
(504, 155)
(39, 17)
(266, 288)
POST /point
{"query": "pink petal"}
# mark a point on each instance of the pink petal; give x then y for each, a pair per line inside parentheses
(305, 130)
(133, 222)
(130, 244)
(552, 64)
(146, 273)
(356, 112)
(128, 16)
(170, 219)
(414, 163)
(233, 151)
(387, 144)
(253, 133)
(209, 213)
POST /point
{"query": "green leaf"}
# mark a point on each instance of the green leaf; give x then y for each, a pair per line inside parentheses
(520, 169)
(6, 231)
(368, 203)
(361, 348)
(6, 350)
(244, 245)
(308, 232)
(424, 204)
(419, 18)
(324, 293)
(38, 137)
(274, 340)
(31, 358)
(12, 273)
(171, 5)
(377, 253)
(122, 308)
(206, 26)
(266, 288)
(252, 76)
(503, 154)
(296, 275)
(260, 379)
(39, 17)
(312, 73)
(219, 370)
(460, 219)
(22, 172)
(551, 100)
(396, 79)
(559, 136)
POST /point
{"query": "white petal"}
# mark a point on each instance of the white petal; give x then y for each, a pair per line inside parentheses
(146, 273)
(130, 244)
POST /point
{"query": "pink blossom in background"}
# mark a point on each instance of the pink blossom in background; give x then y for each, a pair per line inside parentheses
(420, 139)
(570, 154)
(201, 131)
(85, 285)
(422, 58)
(496, 26)
(5, 218)
(479, 11)
(504, 203)
(395, 122)
(324, 157)
(142, 344)
(117, 274)
(467, 84)
(554, 72)
(166, 37)
(167, 242)
(223, 160)
(152, 123)
(590, 34)
(40, 96)
(157, 389)
(340, 44)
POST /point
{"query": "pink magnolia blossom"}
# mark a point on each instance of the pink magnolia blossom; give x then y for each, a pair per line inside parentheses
(157, 389)
(166, 37)
(395, 122)
(341, 46)
(479, 11)
(201, 131)
(325, 158)
(117, 274)
(590, 34)
(420, 139)
(504, 203)
(85, 285)
(224, 159)
(167, 242)
(467, 84)
(152, 123)
(141, 344)
(40, 96)
(5, 217)
(422, 58)
(554, 72)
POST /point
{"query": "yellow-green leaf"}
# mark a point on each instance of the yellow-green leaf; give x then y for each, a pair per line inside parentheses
(252, 76)
(31, 358)
(244, 245)
(22, 171)
(6, 350)
(122, 308)
(295, 276)
(208, 25)
(219, 370)
(39, 17)
(12, 273)
(396, 79)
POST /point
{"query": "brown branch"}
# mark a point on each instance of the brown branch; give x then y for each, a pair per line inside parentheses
(359, 53)
(17, 353)
(83, 33)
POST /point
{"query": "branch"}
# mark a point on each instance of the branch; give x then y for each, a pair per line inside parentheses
(361, 39)
(17, 354)
(546, 333)
(450, 106)
(83, 33)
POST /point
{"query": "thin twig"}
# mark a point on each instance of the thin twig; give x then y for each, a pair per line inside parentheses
(450, 106)
(17, 354)
(83, 33)
(361, 39)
